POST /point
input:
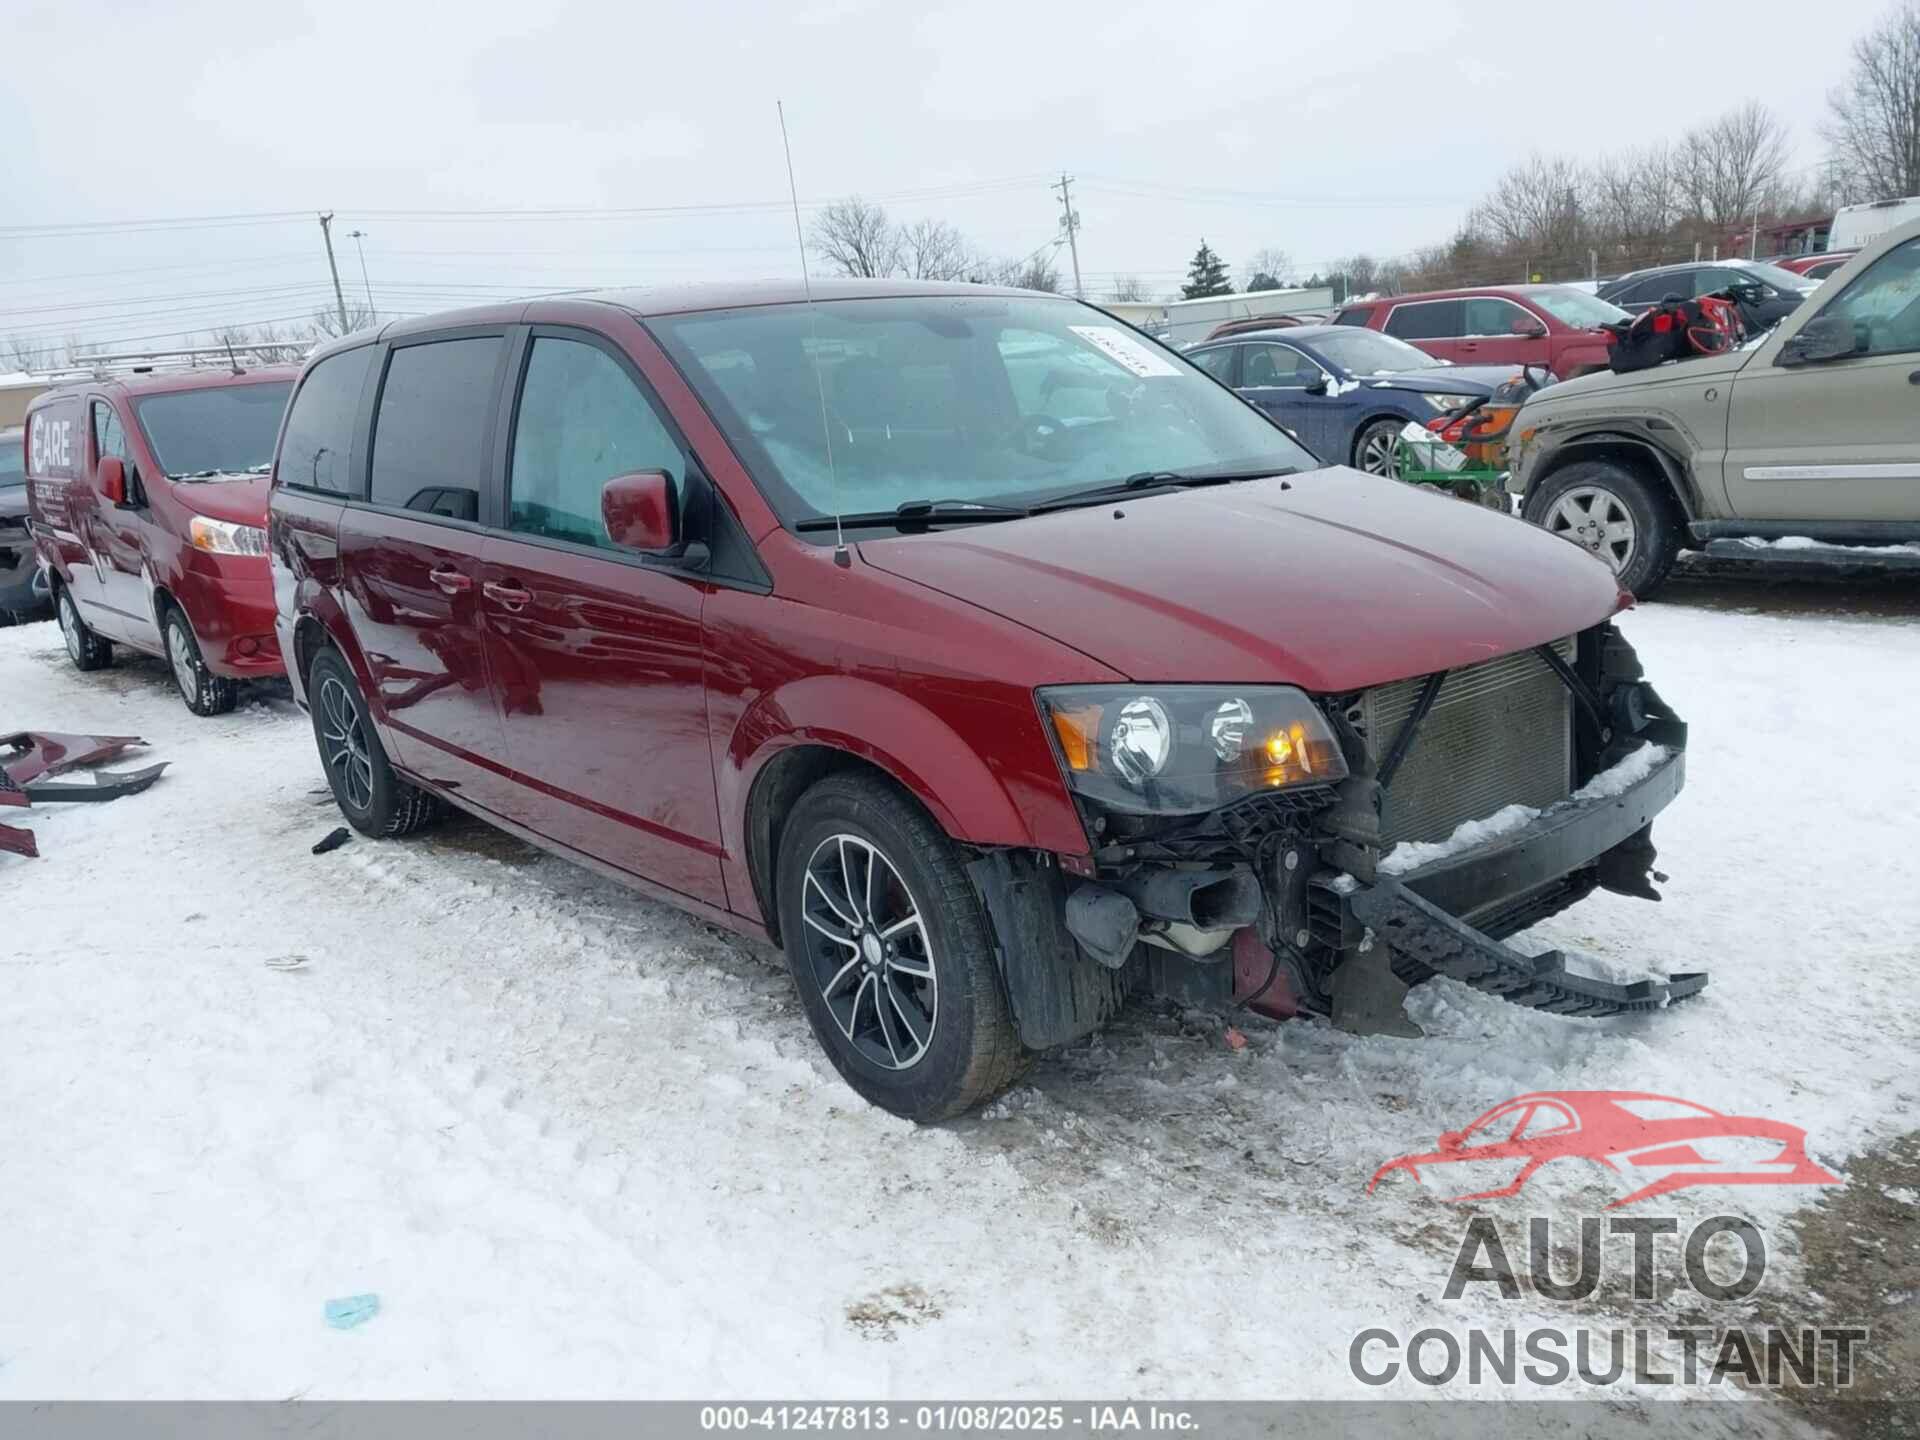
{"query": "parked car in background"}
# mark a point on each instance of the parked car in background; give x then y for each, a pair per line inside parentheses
(1552, 326)
(1346, 392)
(22, 591)
(1807, 437)
(600, 571)
(1816, 267)
(148, 496)
(1776, 293)
(1267, 322)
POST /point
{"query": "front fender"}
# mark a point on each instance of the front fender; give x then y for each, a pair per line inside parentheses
(884, 727)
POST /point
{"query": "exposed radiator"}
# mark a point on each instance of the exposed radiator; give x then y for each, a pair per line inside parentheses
(1500, 733)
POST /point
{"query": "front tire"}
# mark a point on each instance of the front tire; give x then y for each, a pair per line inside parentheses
(204, 692)
(1376, 449)
(1614, 514)
(375, 801)
(890, 950)
(87, 650)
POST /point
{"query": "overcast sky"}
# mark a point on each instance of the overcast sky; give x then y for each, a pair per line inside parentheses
(1319, 129)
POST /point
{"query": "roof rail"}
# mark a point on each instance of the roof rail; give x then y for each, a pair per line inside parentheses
(199, 357)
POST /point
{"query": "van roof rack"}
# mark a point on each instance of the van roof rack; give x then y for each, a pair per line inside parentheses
(199, 357)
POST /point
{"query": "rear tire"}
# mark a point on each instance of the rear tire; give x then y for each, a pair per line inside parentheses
(375, 801)
(204, 692)
(87, 650)
(891, 953)
(1615, 515)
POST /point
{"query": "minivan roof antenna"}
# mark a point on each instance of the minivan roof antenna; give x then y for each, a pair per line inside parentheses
(840, 556)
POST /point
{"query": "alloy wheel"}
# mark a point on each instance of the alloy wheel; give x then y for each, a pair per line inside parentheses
(344, 744)
(1597, 520)
(869, 953)
(1379, 453)
(186, 669)
(70, 626)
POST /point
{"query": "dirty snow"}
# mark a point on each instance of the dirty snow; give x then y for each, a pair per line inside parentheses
(1807, 542)
(577, 1144)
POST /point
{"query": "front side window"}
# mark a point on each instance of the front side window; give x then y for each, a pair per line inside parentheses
(1217, 362)
(430, 433)
(581, 422)
(319, 436)
(1488, 315)
(228, 430)
(109, 435)
(1427, 320)
(1280, 365)
(1882, 303)
(1002, 400)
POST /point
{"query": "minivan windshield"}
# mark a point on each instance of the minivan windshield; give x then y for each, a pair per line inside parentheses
(989, 400)
(205, 434)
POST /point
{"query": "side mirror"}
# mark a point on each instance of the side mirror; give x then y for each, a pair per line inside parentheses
(111, 477)
(640, 512)
(1528, 328)
(1825, 337)
(1317, 385)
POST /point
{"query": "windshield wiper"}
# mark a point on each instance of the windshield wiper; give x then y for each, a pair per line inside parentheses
(1156, 480)
(915, 514)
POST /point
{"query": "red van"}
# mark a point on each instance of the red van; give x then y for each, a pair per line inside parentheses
(1556, 326)
(990, 658)
(148, 499)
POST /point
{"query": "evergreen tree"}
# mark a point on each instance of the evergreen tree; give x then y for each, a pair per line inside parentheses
(1207, 275)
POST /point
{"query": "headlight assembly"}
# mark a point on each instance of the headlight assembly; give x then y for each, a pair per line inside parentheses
(223, 537)
(1188, 749)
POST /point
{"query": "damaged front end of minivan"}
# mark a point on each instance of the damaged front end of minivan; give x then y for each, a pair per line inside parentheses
(1326, 852)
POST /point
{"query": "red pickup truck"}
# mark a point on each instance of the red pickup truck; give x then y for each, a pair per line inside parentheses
(1555, 326)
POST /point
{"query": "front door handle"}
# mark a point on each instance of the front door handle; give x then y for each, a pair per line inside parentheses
(510, 597)
(451, 581)
(1914, 378)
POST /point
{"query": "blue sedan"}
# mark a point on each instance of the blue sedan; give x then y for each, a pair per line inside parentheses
(1343, 389)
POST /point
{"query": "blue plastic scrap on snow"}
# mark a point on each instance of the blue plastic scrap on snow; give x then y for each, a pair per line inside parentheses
(352, 1310)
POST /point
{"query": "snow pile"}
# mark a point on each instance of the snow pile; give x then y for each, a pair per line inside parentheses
(1808, 543)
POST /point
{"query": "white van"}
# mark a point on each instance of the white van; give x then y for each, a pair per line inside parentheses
(1857, 225)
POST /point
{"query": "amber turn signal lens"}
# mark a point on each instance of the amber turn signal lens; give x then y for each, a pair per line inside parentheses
(1077, 729)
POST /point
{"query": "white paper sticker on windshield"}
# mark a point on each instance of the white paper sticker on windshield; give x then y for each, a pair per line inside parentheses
(1118, 345)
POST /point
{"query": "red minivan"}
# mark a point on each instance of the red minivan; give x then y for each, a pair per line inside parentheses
(1555, 326)
(982, 653)
(148, 501)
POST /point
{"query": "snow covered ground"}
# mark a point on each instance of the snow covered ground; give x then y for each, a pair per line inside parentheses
(581, 1145)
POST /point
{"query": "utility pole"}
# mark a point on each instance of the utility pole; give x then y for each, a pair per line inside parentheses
(1072, 222)
(1753, 239)
(326, 233)
(357, 236)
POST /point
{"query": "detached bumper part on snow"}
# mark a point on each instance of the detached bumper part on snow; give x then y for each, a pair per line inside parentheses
(27, 757)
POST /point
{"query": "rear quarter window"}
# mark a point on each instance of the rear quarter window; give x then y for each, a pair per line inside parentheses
(1354, 315)
(317, 445)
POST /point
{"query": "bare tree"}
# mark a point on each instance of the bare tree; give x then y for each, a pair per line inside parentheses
(283, 347)
(1634, 198)
(934, 250)
(325, 324)
(1538, 209)
(22, 352)
(1128, 287)
(1874, 118)
(1269, 269)
(1036, 272)
(857, 239)
(1731, 168)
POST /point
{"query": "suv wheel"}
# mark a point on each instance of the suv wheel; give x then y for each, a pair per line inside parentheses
(1376, 449)
(375, 801)
(87, 650)
(1614, 514)
(891, 953)
(205, 692)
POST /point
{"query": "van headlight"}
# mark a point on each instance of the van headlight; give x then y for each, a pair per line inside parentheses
(1188, 749)
(223, 537)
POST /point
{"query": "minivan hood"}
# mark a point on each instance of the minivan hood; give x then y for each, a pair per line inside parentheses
(241, 499)
(1332, 581)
